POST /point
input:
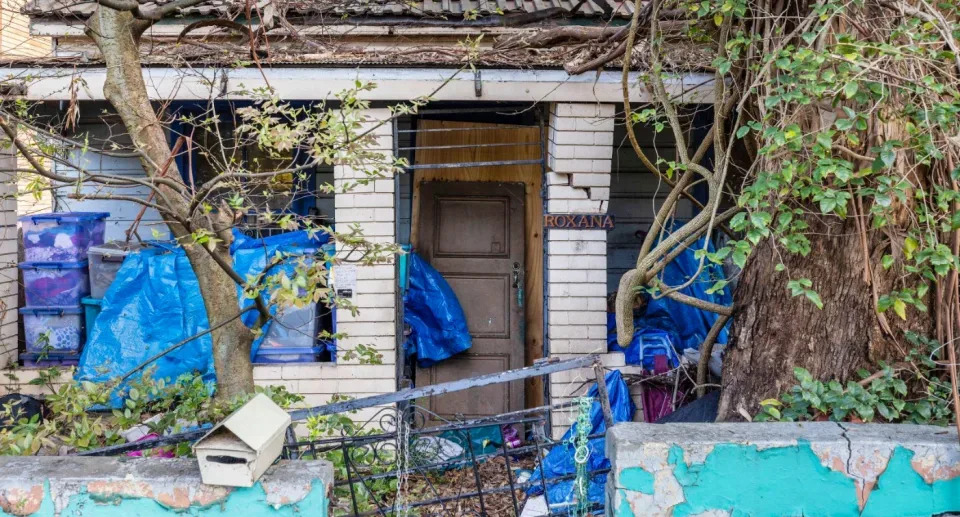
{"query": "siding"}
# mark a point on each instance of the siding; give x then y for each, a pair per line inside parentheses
(15, 39)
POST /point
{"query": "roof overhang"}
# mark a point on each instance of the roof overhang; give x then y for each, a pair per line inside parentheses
(393, 84)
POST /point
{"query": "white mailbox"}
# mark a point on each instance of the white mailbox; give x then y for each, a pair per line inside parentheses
(238, 450)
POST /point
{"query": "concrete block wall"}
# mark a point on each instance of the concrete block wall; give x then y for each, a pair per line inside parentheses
(49, 486)
(810, 468)
(580, 151)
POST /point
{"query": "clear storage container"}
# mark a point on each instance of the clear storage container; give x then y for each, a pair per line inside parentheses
(105, 260)
(55, 284)
(53, 329)
(61, 236)
(291, 337)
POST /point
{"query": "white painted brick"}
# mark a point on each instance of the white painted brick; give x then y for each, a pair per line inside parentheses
(558, 206)
(564, 192)
(578, 290)
(376, 286)
(366, 315)
(558, 234)
(318, 386)
(266, 372)
(589, 318)
(568, 276)
(568, 332)
(374, 200)
(558, 178)
(572, 165)
(563, 123)
(384, 185)
(600, 193)
(350, 215)
(603, 138)
(561, 138)
(584, 206)
(603, 166)
(594, 124)
(358, 329)
(568, 109)
(370, 386)
(588, 235)
(386, 342)
(596, 152)
(578, 248)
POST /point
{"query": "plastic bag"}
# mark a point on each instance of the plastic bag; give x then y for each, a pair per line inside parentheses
(431, 309)
(559, 461)
(153, 303)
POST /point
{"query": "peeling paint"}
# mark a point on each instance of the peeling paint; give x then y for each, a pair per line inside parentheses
(114, 487)
(873, 471)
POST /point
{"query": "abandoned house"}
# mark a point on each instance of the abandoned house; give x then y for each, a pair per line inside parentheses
(521, 189)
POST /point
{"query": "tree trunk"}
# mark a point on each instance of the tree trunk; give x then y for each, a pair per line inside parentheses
(116, 35)
(773, 332)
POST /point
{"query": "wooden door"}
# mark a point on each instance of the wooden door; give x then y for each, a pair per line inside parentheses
(472, 233)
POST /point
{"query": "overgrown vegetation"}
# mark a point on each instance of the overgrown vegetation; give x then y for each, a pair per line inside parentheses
(915, 391)
(74, 423)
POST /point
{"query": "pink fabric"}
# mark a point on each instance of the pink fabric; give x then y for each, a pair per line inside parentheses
(154, 453)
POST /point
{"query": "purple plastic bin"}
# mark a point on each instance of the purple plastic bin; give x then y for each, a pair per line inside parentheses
(61, 236)
(53, 329)
(55, 284)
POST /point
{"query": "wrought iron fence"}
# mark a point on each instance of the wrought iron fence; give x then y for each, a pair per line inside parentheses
(392, 464)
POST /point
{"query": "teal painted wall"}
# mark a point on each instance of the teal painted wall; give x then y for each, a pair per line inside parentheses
(246, 502)
(787, 481)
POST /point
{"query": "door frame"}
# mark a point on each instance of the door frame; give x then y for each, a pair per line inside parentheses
(527, 168)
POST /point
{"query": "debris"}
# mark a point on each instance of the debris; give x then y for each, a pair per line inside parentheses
(238, 450)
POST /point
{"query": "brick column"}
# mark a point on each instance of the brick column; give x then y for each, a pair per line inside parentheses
(372, 207)
(580, 152)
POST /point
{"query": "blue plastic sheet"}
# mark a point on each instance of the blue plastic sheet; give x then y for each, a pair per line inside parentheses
(666, 320)
(153, 303)
(431, 309)
(559, 461)
(691, 323)
(251, 256)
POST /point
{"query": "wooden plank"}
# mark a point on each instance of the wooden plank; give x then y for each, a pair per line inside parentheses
(531, 175)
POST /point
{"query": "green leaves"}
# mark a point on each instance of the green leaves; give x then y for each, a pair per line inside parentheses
(802, 286)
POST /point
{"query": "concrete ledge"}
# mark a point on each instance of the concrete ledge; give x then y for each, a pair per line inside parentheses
(820, 468)
(126, 487)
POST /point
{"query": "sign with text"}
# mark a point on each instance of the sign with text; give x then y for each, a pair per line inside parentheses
(578, 221)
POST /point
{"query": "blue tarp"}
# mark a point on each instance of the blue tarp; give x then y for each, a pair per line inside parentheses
(692, 324)
(680, 324)
(251, 256)
(431, 309)
(559, 461)
(155, 302)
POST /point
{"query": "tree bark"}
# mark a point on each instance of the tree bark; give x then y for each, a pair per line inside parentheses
(773, 332)
(116, 34)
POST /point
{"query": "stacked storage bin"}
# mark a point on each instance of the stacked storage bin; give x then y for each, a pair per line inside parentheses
(292, 337)
(55, 279)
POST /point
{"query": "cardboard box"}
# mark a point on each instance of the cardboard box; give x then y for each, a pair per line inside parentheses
(238, 450)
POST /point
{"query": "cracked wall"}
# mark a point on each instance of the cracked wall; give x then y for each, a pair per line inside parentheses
(124, 487)
(775, 469)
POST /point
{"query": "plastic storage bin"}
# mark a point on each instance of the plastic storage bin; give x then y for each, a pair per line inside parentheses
(61, 236)
(291, 337)
(55, 284)
(53, 329)
(105, 260)
(91, 309)
(50, 359)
